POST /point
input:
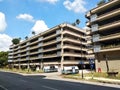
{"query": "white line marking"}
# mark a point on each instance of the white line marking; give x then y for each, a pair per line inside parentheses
(49, 87)
(3, 87)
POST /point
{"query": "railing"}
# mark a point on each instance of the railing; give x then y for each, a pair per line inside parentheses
(50, 49)
(73, 33)
(78, 47)
(109, 12)
(34, 47)
(49, 37)
(111, 35)
(110, 46)
(109, 24)
(35, 42)
(49, 55)
(50, 42)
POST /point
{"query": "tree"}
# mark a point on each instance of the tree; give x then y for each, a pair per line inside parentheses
(101, 2)
(16, 41)
(3, 59)
(77, 22)
(33, 32)
(26, 37)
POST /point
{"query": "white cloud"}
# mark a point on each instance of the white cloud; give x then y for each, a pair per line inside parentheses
(77, 5)
(3, 23)
(5, 42)
(49, 1)
(26, 17)
(39, 26)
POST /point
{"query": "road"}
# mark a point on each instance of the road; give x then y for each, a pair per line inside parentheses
(10, 81)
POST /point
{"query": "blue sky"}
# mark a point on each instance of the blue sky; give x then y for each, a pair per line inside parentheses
(18, 18)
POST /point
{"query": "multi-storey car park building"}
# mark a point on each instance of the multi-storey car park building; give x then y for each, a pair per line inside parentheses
(104, 21)
(62, 45)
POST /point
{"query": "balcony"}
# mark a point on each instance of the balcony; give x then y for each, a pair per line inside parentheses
(50, 55)
(23, 59)
(105, 6)
(109, 14)
(22, 47)
(71, 62)
(88, 23)
(90, 56)
(34, 47)
(75, 47)
(73, 54)
(23, 50)
(22, 55)
(110, 25)
(49, 37)
(72, 40)
(33, 53)
(35, 42)
(50, 49)
(33, 58)
(51, 62)
(73, 34)
(112, 47)
(88, 15)
(111, 36)
(49, 43)
(10, 56)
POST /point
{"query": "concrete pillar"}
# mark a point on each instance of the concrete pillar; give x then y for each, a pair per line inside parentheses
(62, 50)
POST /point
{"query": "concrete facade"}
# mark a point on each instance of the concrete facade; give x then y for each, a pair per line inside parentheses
(62, 45)
(104, 21)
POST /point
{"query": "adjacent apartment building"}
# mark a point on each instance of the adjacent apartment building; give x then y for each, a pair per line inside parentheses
(62, 45)
(104, 21)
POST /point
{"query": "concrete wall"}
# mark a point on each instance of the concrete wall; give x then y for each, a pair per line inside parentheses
(113, 61)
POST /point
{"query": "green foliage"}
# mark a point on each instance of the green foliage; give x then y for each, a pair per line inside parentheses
(3, 59)
(101, 2)
(26, 37)
(16, 41)
(33, 32)
(77, 22)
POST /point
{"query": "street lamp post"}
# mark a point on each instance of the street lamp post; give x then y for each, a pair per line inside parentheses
(81, 59)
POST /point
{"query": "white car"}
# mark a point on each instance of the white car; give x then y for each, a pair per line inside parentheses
(50, 68)
(70, 70)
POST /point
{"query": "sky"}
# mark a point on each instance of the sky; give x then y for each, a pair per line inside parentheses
(18, 18)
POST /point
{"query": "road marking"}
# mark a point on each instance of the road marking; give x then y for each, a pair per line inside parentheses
(3, 87)
(49, 87)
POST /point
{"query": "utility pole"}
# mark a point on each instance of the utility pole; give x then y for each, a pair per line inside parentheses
(81, 59)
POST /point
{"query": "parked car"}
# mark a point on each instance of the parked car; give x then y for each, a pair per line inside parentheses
(50, 68)
(70, 70)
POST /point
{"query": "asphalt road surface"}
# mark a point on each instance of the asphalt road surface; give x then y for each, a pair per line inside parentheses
(10, 81)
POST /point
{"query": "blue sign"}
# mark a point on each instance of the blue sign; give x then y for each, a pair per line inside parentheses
(91, 66)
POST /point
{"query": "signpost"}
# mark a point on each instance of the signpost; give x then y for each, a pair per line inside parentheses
(91, 62)
(82, 63)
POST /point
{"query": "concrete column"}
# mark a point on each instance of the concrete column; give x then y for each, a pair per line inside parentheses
(62, 50)
(96, 63)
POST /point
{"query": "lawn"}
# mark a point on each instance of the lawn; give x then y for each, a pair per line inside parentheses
(94, 74)
(26, 71)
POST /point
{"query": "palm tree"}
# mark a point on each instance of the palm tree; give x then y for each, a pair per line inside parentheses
(101, 2)
(77, 21)
(33, 32)
(26, 37)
